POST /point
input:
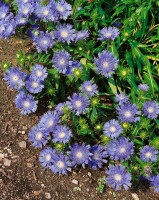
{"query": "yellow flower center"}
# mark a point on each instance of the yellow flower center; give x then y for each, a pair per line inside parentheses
(39, 73)
(15, 78)
(148, 154)
(89, 88)
(127, 114)
(64, 34)
(79, 154)
(112, 129)
(46, 12)
(105, 64)
(25, 11)
(60, 8)
(78, 103)
(62, 135)
(34, 84)
(48, 157)
(60, 164)
(39, 135)
(118, 177)
(122, 150)
(150, 110)
(26, 104)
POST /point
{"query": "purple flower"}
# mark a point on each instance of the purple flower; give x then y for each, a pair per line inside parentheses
(39, 72)
(154, 182)
(118, 177)
(45, 157)
(34, 86)
(89, 88)
(47, 13)
(19, 2)
(128, 112)
(143, 87)
(44, 41)
(49, 121)
(148, 154)
(26, 103)
(34, 32)
(106, 63)
(61, 60)
(64, 33)
(25, 9)
(62, 134)
(59, 108)
(78, 103)
(120, 149)
(60, 164)
(80, 155)
(75, 64)
(38, 137)
(21, 20)
(63, 9)
(81, 35)
(4, 11)
(117, 24)
(112, 128)
(98, 157)
(15, 77)
(108, 33)
(121, 98)
(151, 109)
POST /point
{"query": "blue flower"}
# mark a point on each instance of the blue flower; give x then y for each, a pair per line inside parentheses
(63, 9)
(34, 86)
(75, 64)
(49, 121)
(64, 33)
(118, 177)
(106, 63)
(44, 41)
(47, 13)
(143, 87)
(108, 33)
(80, 155)
(112, 128)
(98, 157)
(128, 112)
(15, 78)
(121, 98)
(151, 109)
(60, 164)
(79, 103)
(148, 154)
(25, 9)
(34, 32)
(62, 134)
(81, 35)
(21, 20)
(38, 137)
(89, 88)
(61, 60)
(120, 149)
(26, 103)
(45, 157)
(59, 108)
(4, 11)
(39, 72)
(154, 182)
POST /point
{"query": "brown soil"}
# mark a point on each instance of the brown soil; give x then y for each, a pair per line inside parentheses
(25, 178)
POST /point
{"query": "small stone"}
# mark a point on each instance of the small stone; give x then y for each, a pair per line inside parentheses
(30, 165)
(23, 132)
(135, 196)
(74, 181)
(89, 174)
(42, 185)
(19, 131)
(87, 190)
(24, 127)
(77, 189)
(22, 144)
(1, 156)
(9, 151)
(36, 193)
(6, 162)
(47, 195)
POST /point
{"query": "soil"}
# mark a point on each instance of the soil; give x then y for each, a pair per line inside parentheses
(21, 176)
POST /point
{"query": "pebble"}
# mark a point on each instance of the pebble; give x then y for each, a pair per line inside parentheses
(1, 156)
(36, 193)
(74, 181)
(135, 196)
(89, 174)
(47, 195)
(30, 165)
(23, 132)
(22, 144)
(6, 162)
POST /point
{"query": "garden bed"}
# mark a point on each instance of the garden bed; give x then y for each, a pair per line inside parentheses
(21, 176)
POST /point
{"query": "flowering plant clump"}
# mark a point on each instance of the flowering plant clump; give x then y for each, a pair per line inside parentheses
(96, 64)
